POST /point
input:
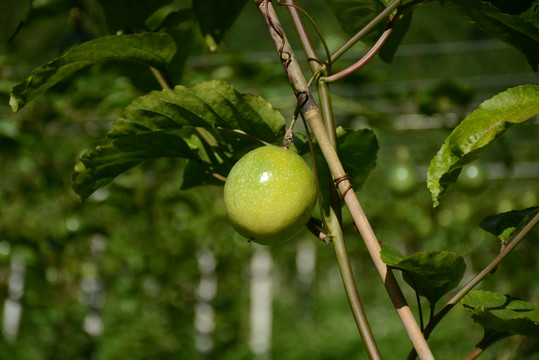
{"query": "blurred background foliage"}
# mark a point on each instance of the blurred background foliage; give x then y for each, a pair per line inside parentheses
(142, 270)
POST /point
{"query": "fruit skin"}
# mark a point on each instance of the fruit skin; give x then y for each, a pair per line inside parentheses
(270, 194)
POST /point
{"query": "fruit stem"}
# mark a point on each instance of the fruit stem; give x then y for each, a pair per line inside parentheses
(313, 117)
(288, 137)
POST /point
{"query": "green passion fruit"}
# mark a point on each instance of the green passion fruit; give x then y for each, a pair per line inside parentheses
(270, 194)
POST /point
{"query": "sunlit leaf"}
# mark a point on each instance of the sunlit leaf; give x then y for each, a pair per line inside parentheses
(210, 104)
(503, 313)
(431, 274)
(477, 132)
(198, 122)
(151, 49)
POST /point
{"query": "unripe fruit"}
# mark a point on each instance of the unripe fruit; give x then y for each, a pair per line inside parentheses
(270, 195)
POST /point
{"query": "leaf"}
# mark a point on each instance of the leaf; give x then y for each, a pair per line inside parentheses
(151, 49)
(129, 15)
(353, 15)
(99, 167)
(477, 132)
(431, 274)
(392, 43)
(13, 15)
(216, 17)
(357, 150)
(503, 313)
(181, 122)
(502, 225)
(182, 25)
(514, 29)
(211, 104)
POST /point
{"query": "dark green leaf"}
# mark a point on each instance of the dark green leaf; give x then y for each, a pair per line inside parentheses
(166, 15)
(502, 225)
(477, 132)
(431, 274)
(503, 313)
(129, 15)
(392, 43)
(357, 150)
(517, 30)
(198, 122)
(194, 175)
(151, 49)
(353, 15)
(182, 25)
(99, 167)
(511, 6)
(531, 13)
(13, 13)
(216, 17)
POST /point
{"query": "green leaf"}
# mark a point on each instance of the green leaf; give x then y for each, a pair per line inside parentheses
(129, 15)
(477, 132)
(182, 25)
(353, 15)
(392, 43)
(357, 150)
(431, 274)
(503, 313)
(13, 14)
(151, 49)
(216, 17)
(99, 167)
(210, 104)
(197, 122)
(502, 225)
(517, 30)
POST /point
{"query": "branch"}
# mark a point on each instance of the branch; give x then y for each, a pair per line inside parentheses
(313, 117)
(513, 242)
(304, 38)
(335, 226)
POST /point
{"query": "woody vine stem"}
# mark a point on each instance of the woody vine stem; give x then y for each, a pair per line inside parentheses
(313, 116)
